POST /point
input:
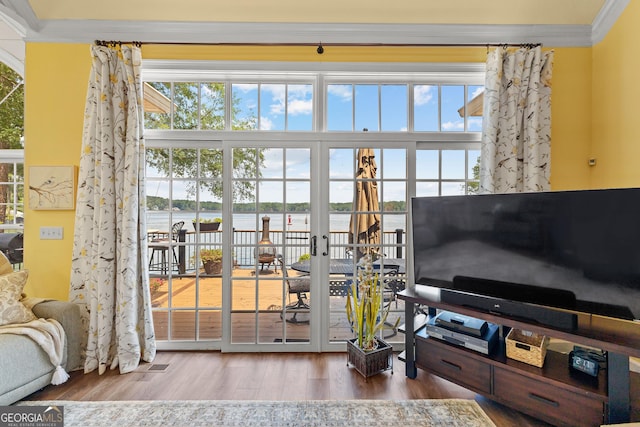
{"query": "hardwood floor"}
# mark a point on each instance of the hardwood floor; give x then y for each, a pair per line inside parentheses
(266, 376)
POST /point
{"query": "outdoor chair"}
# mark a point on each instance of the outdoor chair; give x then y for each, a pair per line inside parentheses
(299, 287)
(159, 259)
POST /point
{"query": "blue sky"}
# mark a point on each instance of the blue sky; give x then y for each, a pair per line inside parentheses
(351, 108)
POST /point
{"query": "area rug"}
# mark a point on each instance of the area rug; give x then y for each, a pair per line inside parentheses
(326, 413)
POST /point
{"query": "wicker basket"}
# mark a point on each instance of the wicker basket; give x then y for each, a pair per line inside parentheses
(527, 347)
(370, 362)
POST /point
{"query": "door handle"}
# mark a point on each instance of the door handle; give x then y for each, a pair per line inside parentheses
(314, 246)
(326, 252)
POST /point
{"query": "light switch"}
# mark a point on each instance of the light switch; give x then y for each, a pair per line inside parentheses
(51, 233)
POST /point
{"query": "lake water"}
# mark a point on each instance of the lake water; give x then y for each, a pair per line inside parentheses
(160, 220)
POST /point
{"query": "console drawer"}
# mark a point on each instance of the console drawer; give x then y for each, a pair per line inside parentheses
(546, 401)
(445, 361)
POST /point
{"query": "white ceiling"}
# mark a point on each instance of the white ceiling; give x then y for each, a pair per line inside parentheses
(551, 22)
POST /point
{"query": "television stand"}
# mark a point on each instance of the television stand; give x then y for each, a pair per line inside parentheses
(552, 393)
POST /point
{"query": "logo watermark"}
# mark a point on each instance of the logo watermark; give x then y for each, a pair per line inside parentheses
(31, 416)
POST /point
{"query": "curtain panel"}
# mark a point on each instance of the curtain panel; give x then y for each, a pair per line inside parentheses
(516, 131)
(109, 277)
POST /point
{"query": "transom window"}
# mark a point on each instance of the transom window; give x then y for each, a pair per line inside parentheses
(428, 102)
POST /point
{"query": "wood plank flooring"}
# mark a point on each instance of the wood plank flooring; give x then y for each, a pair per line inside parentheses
(212, 375)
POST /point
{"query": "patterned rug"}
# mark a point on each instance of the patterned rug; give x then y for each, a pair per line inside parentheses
(326, 413)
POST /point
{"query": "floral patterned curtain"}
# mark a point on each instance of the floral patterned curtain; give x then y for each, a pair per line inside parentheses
(109, 278)
(516, 132)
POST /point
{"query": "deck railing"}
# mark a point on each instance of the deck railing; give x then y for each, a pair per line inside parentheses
(292, 244)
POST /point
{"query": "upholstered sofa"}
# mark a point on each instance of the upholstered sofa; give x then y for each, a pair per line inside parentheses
(25, 365)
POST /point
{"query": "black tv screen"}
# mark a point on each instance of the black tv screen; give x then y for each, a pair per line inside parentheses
(581, 246)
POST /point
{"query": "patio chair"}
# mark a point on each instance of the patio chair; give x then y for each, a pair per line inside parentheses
(159, 259)
(299, 287)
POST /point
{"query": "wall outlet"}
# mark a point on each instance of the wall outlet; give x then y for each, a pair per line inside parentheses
(51, 233)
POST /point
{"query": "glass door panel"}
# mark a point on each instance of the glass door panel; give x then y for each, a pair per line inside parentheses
(385, 236)
(270, 301)
(184, 187)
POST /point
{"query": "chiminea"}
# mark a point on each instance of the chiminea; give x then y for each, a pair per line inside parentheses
(266, 250)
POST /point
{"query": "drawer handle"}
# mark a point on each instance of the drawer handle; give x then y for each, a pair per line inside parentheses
(451, 365)
(543, 400)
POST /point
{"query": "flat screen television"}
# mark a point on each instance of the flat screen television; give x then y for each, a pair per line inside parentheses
(564, 251)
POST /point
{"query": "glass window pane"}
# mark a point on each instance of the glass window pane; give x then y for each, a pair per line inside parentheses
(271, 197)
(453, 188)
(157, 198)
(475, 98)
(247, 161)
(300, 107)
(394, 108)
(157, 105)
(298, 196)
(452, 109)
(244, 197)
(298, 163)
(473, 171)
(395, 195)
(341, 195)
(186, 105)
(453, 164)
(272, 106)
(341, 163)
(183, 192)
(273, 163)
(244, 115)
(212, 106)
(366, 108)
(393, 164)
(157, 162)
(424, 189)
(210, 197)
(425, 109)
(210, 163)
(427, 164)
(340, 107)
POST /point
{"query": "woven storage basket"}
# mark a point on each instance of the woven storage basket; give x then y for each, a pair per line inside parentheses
(371, 362)
(527, 347)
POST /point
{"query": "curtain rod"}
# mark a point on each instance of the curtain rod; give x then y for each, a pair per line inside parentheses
(320, 45)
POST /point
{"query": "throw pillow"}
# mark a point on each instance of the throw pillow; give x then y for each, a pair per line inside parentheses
(11, 309)
(5, 265)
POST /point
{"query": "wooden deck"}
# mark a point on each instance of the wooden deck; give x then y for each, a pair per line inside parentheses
(257, 317)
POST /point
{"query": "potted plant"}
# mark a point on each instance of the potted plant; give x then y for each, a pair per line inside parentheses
(206, 224)
(367, 314)
(211, 261)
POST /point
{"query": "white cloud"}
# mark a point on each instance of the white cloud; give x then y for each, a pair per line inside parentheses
(265, 123)
(453, 126)
(477, 92)
(422, 94)
(242, 87)
(300, 107)
(344, 92)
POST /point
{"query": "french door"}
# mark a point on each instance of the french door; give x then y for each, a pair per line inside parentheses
(271, 306)
(286, 208)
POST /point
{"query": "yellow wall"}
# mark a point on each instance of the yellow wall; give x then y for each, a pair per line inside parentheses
(57, 76)
(616, 94)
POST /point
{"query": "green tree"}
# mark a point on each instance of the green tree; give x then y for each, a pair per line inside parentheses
(201, 106)
(474, 186)
(11, 130)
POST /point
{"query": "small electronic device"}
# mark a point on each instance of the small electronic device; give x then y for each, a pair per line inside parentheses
(483, 344)
(460, 323)
(587, 361)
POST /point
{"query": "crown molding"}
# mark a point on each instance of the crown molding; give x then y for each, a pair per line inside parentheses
(86, 31)
(607, 17)
(204, 32)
